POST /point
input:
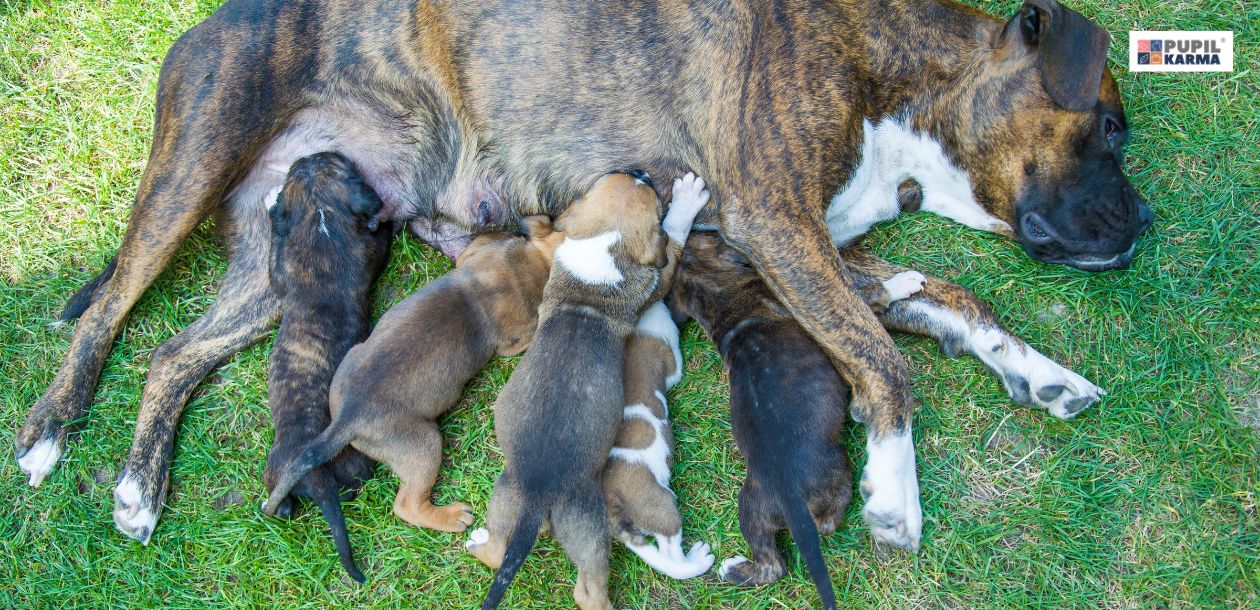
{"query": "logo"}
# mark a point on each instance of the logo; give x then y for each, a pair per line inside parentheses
(1181, 51)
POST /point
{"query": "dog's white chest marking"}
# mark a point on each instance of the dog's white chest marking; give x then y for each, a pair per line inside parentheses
(891, 154)
(589, 259)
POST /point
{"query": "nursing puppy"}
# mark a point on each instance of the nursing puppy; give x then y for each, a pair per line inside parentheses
(788, 407)
(636, 480)
(389, 389)
(324, 259)
(557, 417)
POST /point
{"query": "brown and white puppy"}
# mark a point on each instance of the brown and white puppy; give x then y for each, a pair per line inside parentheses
(558, 415)
(636, 479)
(389, 389)
(788, 406)
(324, 259)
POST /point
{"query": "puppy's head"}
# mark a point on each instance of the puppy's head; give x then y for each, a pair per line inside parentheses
(623, 210)
(324, 206)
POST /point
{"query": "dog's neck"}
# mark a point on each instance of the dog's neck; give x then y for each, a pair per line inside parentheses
(912, 116)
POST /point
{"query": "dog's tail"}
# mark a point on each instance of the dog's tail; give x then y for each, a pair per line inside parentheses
(521, 541)
(805, 532)
(318, 452)
(88, 293)
(325, 493)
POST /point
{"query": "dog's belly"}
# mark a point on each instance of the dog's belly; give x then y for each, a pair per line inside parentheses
(403, 162)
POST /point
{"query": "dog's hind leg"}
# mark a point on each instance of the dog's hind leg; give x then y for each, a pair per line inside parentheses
(961, 322)
(204, 133)
(242, 314)
(579, 524)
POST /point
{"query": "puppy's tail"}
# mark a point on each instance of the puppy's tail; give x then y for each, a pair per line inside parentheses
(520, 543)
(326, 494)
(801, 524)
(318, 452)
(88, 293)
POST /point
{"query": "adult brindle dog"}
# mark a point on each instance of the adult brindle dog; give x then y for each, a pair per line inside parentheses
(804, 117)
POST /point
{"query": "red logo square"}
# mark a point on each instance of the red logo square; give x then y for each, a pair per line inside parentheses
(1144, 46)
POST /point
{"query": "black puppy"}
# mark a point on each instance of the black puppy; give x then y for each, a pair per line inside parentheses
(788, 408)
(325, 255)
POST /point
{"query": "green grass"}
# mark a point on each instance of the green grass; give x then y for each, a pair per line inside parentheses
(1148, 500)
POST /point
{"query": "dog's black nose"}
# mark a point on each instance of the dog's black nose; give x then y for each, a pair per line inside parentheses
(642, 176)
(1146, 217)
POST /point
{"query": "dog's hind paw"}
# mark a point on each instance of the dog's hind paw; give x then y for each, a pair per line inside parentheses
(890, 490)
(135, 511)
(476, 537)
(728, 564)
(40, 459)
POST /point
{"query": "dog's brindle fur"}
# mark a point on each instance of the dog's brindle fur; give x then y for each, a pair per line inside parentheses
(323, 263)
(439, 102)
(390, 389)
(557, 417)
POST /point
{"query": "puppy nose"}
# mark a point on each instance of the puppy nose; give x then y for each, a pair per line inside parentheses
(1146, 217)
(642, 176)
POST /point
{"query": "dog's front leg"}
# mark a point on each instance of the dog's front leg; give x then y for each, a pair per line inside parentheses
(961, 322)
(791, 248)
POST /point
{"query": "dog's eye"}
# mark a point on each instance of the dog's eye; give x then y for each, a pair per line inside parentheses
(1111, 129)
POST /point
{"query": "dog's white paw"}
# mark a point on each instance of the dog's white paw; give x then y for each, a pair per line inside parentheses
(701, 558)
(728, 563)
(1032, 379)
(890, 490)
(477, 537)
(689, 197)
(41, 459)
(903, 285)
(134, 515)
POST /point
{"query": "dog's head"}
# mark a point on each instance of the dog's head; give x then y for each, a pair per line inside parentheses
(325, 199)
(1037, 124)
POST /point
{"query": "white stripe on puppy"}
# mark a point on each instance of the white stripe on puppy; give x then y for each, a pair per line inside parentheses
(656, 322)
(654, 457)
(589, 259)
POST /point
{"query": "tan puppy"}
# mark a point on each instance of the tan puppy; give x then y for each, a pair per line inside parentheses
(557, 417)
(389, 389)
(636, 479)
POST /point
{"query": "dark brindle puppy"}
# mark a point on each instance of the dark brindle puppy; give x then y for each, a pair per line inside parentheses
(389, 389)
(324, 260)
(557, 417)
(804, 117)
(784, 392)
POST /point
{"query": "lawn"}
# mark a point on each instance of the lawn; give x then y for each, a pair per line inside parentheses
(1147, 500)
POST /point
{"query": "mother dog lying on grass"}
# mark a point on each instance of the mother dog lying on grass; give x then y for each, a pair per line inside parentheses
(804, 117)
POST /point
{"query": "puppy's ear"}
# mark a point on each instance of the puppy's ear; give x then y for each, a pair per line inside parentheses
(281, 223)
(659, 256)
(537, 226)
(364, 202)
(1071, 51)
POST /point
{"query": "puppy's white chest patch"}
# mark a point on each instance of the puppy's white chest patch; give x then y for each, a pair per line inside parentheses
(891, 154)
(589, 259)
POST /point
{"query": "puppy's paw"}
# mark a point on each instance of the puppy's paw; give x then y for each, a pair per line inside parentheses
(738, 570)
(903, 285)
(701, 558)
(890, 489)
(137, 507)
(477, 537)
(728, 564)
(39, 456)
(689, 197)
(454, 517)
(1033, 380)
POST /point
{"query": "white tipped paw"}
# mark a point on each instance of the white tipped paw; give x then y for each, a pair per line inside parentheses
(39, 460)
(903, 285)
(700, 557)
(1033, 380)
(729, 563)
(890, 490)
(477, 537)
(689, 197)
(133, 515)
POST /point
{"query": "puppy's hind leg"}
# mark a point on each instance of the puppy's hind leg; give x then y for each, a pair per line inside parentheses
(417, 468)
(579, 524)
(242, 314)
(759, 527)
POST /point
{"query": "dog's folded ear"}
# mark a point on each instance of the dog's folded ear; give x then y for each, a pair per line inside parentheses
(1071, 51)
(537, 226)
